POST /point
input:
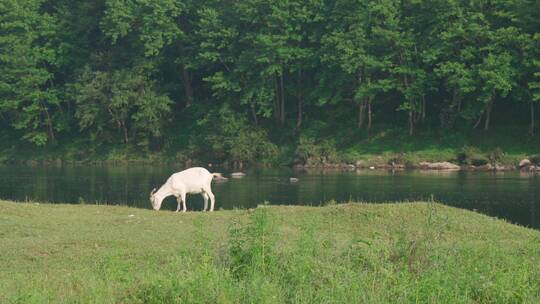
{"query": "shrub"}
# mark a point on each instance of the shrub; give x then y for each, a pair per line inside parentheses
(328, 151)
(479, 161)
(251, 248)
(232, 139)
(471, 156)
(397, 159)
(495, 156)
(308, 151)
(535, 159)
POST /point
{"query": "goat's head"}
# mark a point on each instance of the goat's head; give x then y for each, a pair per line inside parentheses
(156, 204)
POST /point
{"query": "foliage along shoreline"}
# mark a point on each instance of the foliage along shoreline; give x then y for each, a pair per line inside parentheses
(383, 149)
(373, 162)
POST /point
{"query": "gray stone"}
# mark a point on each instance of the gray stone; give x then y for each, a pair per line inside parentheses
(524, 163)
(238, 174)
(348, 167)
(438, 166)
(486, 167)
(500, 168)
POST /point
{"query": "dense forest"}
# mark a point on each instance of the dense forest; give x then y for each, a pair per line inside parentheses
(250, 79)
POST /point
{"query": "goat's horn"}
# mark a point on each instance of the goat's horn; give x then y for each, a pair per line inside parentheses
(153, 191)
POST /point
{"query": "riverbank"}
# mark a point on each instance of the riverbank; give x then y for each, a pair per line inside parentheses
(368, 162)
(385, 148)
(422, 252)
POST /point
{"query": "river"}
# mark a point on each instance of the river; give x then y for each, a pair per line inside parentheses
(512, 195)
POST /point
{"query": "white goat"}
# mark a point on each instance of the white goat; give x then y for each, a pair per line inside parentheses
(192, 181)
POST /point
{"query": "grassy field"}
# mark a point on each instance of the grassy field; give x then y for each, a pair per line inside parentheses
(351, 253)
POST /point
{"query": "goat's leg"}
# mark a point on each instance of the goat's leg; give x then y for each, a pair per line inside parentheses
(205, 197)
(212, 200)
(183, 195)
(179, 201)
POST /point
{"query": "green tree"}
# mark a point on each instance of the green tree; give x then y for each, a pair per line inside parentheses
(29, 97)
(124, 101)
(359, 47)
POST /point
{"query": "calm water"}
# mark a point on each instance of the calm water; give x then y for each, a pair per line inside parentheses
(511, 195)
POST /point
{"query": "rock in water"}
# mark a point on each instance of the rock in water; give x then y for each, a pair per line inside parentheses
(294, 179)
(238, 174)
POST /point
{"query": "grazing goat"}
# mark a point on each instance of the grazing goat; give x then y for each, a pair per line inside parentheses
(192, 181)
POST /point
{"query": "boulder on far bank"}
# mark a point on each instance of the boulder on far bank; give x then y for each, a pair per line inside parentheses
(531, 165)
(360, 164)
(486, 167)
(348, 167)
(524, 163)
(438, 166)
(531, 168)
(503, 168)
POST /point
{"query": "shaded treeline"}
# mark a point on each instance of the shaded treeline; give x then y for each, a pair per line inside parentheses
(154, 73)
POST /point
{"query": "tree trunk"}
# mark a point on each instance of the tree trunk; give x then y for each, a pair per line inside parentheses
(120, 124)
(416, 116)
(488, 113)
(124, 128)
(299, 117)
(411, 123)
(50, 129)
(277, 114)
(361, 109)
(406, 84)
(531, 128)
(369, 114)
(254, 114)
(479, 120)
(456, 101)
(188, 89)
(300, 100)
(282, 112)
(423, 108)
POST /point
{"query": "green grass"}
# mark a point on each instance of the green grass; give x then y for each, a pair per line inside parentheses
(384, 144)
(351, 253)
